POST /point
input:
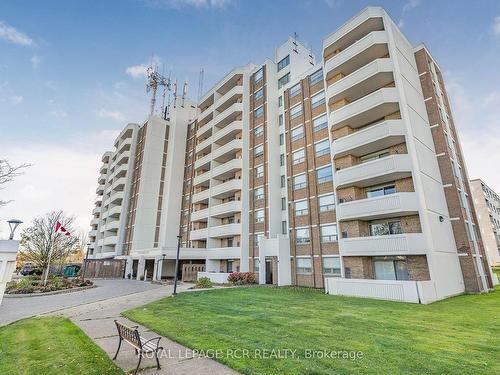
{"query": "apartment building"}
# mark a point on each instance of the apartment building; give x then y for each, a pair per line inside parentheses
(487, 206)
(344, 173)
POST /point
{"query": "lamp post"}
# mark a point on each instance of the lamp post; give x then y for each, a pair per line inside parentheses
(177, 264)
(13, 224)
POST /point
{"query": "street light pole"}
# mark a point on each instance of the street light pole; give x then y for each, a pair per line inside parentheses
(13, 223)
(177, 264)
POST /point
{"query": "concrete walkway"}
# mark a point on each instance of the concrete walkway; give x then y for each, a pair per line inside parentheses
(96, 319)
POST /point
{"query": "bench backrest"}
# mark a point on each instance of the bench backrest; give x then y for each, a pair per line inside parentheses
(129, 334)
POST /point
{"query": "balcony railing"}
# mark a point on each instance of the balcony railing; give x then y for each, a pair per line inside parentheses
(387, 245)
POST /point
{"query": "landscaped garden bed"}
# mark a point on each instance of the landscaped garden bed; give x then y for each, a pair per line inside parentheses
(252, 327)
(34, 284)
(51, 346)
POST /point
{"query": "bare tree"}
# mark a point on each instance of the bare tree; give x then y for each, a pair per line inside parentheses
(7, 173)
(40, 239)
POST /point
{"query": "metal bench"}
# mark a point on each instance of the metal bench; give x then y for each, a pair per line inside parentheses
(140, 344)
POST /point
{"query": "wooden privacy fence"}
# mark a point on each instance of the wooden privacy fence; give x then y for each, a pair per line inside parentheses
(190, 271)
(105, 268)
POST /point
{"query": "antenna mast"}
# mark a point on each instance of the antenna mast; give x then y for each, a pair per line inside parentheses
(200, 84)
(154, 80)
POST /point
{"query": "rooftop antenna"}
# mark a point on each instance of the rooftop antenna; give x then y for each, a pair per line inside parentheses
(184, 93)
(154, 80)
(311, 56)
(175, 93)
(295, 37)
(200, 84)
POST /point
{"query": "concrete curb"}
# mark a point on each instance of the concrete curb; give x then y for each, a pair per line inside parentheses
(63, 291)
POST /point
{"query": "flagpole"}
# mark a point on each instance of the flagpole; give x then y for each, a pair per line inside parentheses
(54, 233)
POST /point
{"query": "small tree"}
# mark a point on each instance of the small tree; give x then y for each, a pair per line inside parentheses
(40, 239)
(7, 174)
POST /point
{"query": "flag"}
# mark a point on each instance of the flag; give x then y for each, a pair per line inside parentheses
(59, 227)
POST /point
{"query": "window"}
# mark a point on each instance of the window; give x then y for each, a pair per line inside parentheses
(256, 239)
(295, 90)
(259, 193)
(375, 155)
(380, 190)
(324, 174)
(297, 133)
(259, 216)
(304, 265)
(331, 266)
(328, 233)
(391, 268)
(283, 181)
(284, 229)
(301, 208)
(229, 266)
(259, 74)
(316, 77)
(259, 94)
(259, 150)
(280, 101)
(259, 171)
(302, 235)
(385, 228)
(283, 62)
(284, 80)
(280, 120)
(282, 159)
(259, 112)
(296, 111)
(282, 139)
(318, 99)
(320, 123)
(298, 157)
(256, 265)
(259, 131)
(322, 148)
(283, 204)
(326, 203)
(299, 181)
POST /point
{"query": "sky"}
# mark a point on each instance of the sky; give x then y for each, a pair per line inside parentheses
(72, 75)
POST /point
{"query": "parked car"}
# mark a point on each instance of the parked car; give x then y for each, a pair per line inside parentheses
(30, 269)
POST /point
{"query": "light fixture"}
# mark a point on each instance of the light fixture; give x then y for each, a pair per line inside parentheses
(13, 223)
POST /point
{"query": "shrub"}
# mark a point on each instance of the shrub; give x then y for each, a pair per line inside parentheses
(242, 278)
(203, 282)
(24, 286)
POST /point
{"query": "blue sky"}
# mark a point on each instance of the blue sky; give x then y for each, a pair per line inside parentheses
(70, 74)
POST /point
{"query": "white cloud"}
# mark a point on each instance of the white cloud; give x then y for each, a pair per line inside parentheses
(496, 25)
(61, 177)
(35, 61)
(14, 36)
(401, 23)
(114, 115)
(333, 3)
(58, 113)
(218, 4)
(410, 4)
(16, 99)
(138, 71)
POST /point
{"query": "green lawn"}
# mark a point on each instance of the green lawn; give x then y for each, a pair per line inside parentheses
(50, 346)
(456, 336)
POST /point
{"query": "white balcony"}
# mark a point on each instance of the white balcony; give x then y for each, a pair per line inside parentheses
(96, 210)
(201, 196)
(198, 234)
(398, 204)
(227, 168)
(110, 240)
(200, 214)
(221, 103)
(226, 188)
(116, 197)
(100, 189)
(114, 211)
(389, 168)
(119, 184)
(205, 129)
(94, 221)
(228, 115)
(123, 157)
(93, 233)
(201, 178)
(366, 49)
(367, 109)
(367, 79)
(227, 133)
(119, 170)
(203, 145)
(225, 209)
(203, 162)
(112, 225)
(223, 153)
(392, 244)
(226, 230)
(203, 115)
(370, 139)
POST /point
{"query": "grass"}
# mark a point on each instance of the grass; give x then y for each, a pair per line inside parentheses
(456, 336)
(51, 346)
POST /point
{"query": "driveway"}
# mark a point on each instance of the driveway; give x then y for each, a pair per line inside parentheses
(13, 309)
